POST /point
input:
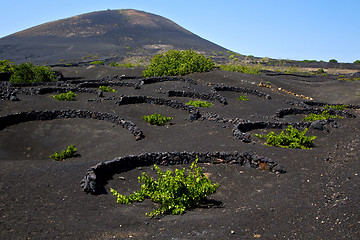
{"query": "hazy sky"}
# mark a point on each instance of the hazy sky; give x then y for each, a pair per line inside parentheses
(292, 29)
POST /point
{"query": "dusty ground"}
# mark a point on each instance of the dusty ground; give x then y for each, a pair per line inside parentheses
(317, 197)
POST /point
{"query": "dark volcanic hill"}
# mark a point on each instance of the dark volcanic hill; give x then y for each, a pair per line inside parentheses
(110, 34)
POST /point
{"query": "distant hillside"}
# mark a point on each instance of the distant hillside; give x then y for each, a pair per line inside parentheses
(108, 35)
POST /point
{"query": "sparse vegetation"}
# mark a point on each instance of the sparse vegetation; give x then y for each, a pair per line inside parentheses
(243, 98)
(291, 139)
(344, 78)
(323, 116)
(199, 104)
(320, 71)
(157, 119)
(123, 65)
(97, 62)
(175, 62)
(68, 96)
(174, 191)
(241, 68)
(106, 89)
(68, 153)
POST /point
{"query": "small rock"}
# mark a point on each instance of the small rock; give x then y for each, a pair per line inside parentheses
(14, 98)
(100, 93)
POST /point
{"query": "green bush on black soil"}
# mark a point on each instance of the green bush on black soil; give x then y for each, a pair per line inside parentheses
(199, 104)
(68, 96)
(323, 116)
(175, 192)
(106, 89)
(68, 153)
(97, 62)
(157, 119)
(175, 62)
(243, 98)
(291, 139)
(27, 72)
(6, 66)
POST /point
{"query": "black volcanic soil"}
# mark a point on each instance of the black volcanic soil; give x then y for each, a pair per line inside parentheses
(317, 197)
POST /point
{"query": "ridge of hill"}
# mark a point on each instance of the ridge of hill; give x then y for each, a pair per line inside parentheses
(111, 34)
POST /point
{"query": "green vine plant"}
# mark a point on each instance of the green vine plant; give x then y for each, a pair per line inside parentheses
(291, 139)
(68, 96)
(107, 89)
(323, 116)
(174, 191)
(199, 104)
(70, 152)
(336, 107)
(243, 98)
(97, 62)
(157, 119)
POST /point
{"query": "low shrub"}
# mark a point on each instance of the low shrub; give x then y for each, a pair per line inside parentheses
(323, 116)
(243, 98)
(199, 104)
(175, 62)
(174, 191)
(291, 139)
(6, 66)
(97, 62)
(68, 96)
(68, 153)
(106, 89)
(157, 119)
(27, 72)
(336, 107)
(241, 68)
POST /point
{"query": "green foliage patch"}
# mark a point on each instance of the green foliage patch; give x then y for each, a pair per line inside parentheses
(174, 191)
(175, 62)
(6, 66)
(27, 72)
(291, 139)
(157, 119)
(68, 153)
(241, 68)
(243, 98)
(323, 116)
(336, 107)
(199, 104)
(97, 62)
(68, 96)
(106, 89)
